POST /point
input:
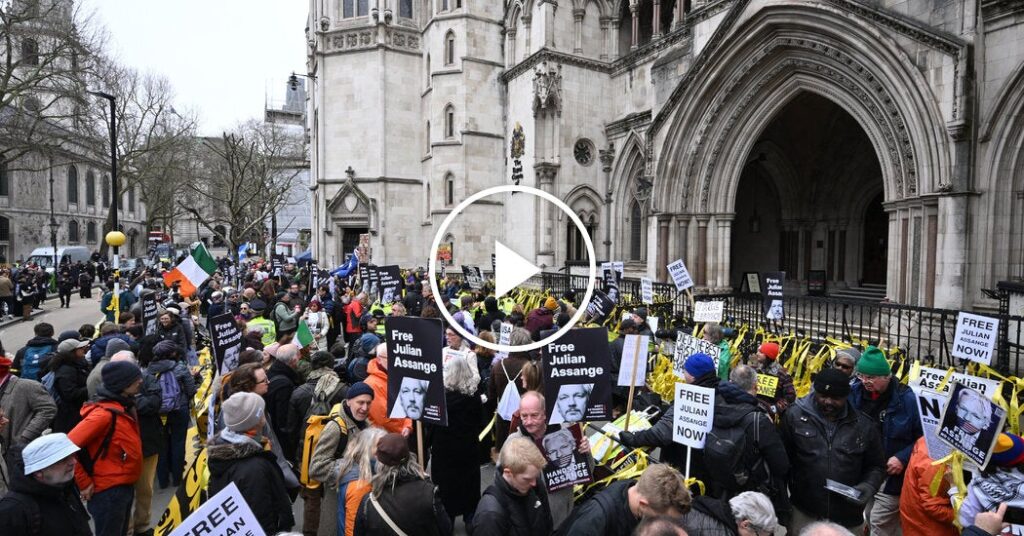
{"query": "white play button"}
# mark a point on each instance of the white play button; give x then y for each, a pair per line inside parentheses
(510, 269)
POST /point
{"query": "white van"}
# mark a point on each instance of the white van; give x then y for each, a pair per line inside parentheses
(44, 256)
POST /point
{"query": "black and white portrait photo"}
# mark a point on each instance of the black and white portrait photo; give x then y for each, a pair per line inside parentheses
(971, 423)
(411, 397)
(571, 403)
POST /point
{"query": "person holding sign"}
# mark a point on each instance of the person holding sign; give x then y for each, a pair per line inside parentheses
(713, 334)
(835, 456)
(377, 379)
(512, 505)
(920, 511)
(765, 361)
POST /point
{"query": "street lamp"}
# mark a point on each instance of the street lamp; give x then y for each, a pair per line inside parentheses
(53, 224)
(115, 238)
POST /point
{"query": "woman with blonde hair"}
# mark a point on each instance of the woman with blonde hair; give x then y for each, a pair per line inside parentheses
(356, 473)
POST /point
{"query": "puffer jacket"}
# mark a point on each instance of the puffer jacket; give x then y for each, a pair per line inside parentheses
(122, 462)
(378, 381)
(353, 490)
(848, 451)
(900, 427)
(503, 511)
(30, 504)
(259, 480)
(174, 333)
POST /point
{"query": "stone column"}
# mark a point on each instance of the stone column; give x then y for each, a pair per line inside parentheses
(952, 261)
(724, 222)
(635, 21)
(680, 15)
(701, 262)
(546, 173)
(682, 231)
(527, 35)
(613, 38)
(664, 223)
(607, 158)
(510, 47)
(605, 38)
(656, 23)
(577, 19)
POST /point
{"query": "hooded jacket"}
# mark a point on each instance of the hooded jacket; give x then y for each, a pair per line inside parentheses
(30, 503)
(486, 319)
(920, 512)
(258, 477)
(503, 511)
(377, 379)
(99, 347)
(121, 464)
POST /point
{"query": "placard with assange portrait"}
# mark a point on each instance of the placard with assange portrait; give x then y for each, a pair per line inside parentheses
(415, 371)
(971, 424)
(577, 376)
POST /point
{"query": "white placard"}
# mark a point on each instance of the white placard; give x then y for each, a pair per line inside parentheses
(931, 378)
(652, 321)
(694, 414)
(505, 338)
(223, 514)
(646, 290)
(708, 311)
(634, 348)
(930, 405)
(448, 354)
(975, 338)
(680, 275)
(687, 345)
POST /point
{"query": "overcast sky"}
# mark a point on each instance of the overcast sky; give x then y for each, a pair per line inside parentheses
(224, 57)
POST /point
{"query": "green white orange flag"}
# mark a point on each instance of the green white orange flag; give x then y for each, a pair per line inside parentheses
(193, 271)
(303, 337)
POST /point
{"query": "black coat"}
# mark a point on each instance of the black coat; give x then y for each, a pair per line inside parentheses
(175, 333)
(53, 510)
(605, 514)
(283, 381)
(412, 504)
(454, 454)
(503, 511)
(70, 382)
(259, 480)
(147, 404)
(851, 454)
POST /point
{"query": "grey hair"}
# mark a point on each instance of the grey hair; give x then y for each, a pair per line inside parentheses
(359, 453)
(756, 508)
(389, 476)
(713, 333)
(744, 377)
(825, 528)
(287, 353)
(459, 376)
(381, 351)
(124, 355)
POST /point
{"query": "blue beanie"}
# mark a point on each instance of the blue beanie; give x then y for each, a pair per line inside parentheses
(359, 388)
(700, 364)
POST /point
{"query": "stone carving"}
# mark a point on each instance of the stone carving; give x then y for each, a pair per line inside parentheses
(547, 89)
(367, 38)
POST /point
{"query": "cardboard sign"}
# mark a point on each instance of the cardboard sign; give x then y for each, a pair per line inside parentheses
(610, 278)
(227, 342)
(390, 287)
(687, 345)
(680, 275)
(931, 378)
(930, 405)
(415, 370)
(694, 414)
(971, 424)
(600, 307)
(708, 311)
(753, 280)
(576, 368)
(773, 290)
(646, 290)
(976, 337)
(504, 338)
(150, 313)
(474, 276)
(766, 385)
(224, 514)
(634, 349)
(566, 465)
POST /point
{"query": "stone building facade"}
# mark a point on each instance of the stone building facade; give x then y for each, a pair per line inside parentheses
(877, 141)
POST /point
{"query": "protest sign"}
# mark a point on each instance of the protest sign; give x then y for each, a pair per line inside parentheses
(600, 307)
(772, 287)
(227, 342)
(187, 498)
(447, 354)
(708, 311)
(566, 465)
(931, 378)
(474, 276)
(766, 385)
(753, 281)
(680, 275)
(364, 274)
(975, 338)
(687, 345)
(415, 370)
(504, 338)
(150, 313)
(646, 290)
(390, 283)
(694, 414)
(633, 367)
(374, 279)
(577, 381)
(930, 405)
(971, 423)
(610, 278)
(224, 514)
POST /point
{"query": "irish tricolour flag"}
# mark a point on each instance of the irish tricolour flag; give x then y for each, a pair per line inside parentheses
(192, 271)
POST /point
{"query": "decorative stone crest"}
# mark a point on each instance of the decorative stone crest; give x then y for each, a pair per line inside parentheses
(547, 89)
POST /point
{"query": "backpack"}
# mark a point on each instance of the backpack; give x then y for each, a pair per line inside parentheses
(357, 362)
(30, 361)
(49, 381)
(314, 428)
(170, 392)
(728, 448)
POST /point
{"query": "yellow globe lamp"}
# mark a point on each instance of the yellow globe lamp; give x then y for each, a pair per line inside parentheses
(115, 239)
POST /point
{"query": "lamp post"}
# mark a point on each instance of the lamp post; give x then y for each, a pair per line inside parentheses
(115, 238)
(53, 223)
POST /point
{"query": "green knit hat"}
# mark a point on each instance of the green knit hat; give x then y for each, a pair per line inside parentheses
(872, 363)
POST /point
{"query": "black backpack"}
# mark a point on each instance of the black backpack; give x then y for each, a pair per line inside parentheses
(729, 450)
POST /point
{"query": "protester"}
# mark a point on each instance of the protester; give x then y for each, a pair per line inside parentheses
(513, 505)
(826, 439)
(765, 361)
(237, 455)
(27, 409)
(922, 512)
(846, 361)
(286, 314)
(259, 323)
(108, 331)
(378, 381)
(402, 496)
(70, 375)
(28, 362)
(353, 313)
(169, 328)
(283, 381)
(111, 347)
(660, 526)
(43, 498)
(178, 388)
(825, 528)
(356, 472)
(318, 324)
(322, 390)
(748, 514)
(541, 318)
(147, 407)
(713, 334)
(616, 510)
(503, 374)
(109, 484)
(454, 454)
(6, 295)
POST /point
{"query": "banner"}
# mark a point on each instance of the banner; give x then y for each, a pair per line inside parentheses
(971, 424)
(566, 465)
(646, 290)
(600, 307)
(634, 350)
(374, 280)
(504, 338)
(611, 276)
(577, 383)
(186, 499)
(680, 275)
(224, 514)
(766, 385)
(930, 405)
(694, 414)
(227, 341)
(976, 337)
(708, 311)
(390, 288)
(150, 313)
(772, 288)
(415, 370)
(931, 378)
(687, 345)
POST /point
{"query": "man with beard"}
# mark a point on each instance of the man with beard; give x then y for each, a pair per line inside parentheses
(43, 498)
(827, 440)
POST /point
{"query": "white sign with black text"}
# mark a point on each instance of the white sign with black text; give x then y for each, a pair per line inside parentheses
(694, 414)
(708, 311)
(646, 290)
(680, 275)
(221, 515)
(634, 350)
(975, 338)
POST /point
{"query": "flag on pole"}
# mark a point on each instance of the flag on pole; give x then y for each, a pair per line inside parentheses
(303, 337)
(243, 252)
(193, 271)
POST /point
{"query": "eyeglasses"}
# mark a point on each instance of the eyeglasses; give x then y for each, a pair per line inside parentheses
(264, 380)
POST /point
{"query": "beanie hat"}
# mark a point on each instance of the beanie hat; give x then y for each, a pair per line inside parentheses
(357, 389)
(832, 383)
(114, 346)
(165, 349)
(392, 450)
(551, 303)
(119, 375)
(770, 350)
(1009, 450)
(852, 353)
(321, 359)
(641, 312)
(872, 362)
(700, 364)
(5, 364)
(46, 450)
(242, 411)
(69, 334)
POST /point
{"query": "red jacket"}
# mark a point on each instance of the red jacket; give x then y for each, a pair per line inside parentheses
(122, 463)
(922, 514)
(377, 379)
(353, 311)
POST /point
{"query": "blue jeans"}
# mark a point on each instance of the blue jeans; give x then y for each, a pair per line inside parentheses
(111, 510)
(171, 465)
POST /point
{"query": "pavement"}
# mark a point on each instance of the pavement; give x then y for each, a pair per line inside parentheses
(14, 333)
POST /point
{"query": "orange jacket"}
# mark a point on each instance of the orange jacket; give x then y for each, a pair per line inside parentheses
(377, 379)
(921, 513)
(122, 463)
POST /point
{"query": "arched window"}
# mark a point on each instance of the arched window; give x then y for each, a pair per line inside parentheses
(405, 9)
(90, 188)
(449, 48)
(636, 232)
(106, 191)
(73, 232)
(449, 122)
(72, 184)
(449, 190)
(29, 52)
(90, 232)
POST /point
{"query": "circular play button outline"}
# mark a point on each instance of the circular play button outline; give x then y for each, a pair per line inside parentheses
(432, 273)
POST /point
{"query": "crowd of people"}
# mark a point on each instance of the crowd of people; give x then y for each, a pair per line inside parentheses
(94, 417)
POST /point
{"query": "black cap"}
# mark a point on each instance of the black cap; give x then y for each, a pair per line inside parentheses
(832, 383)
